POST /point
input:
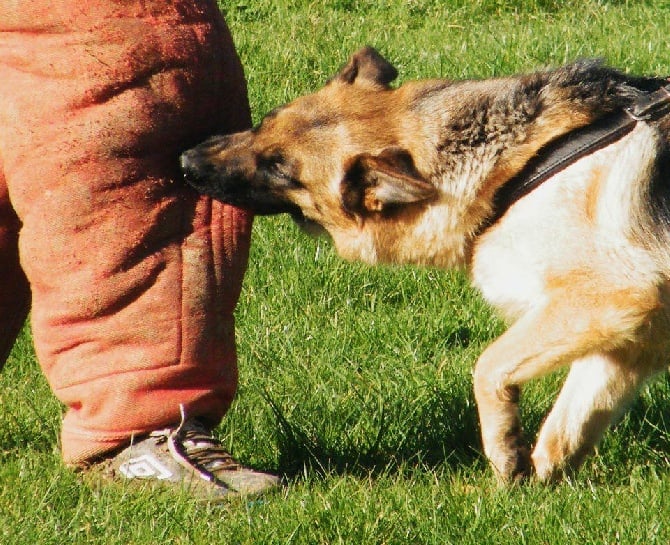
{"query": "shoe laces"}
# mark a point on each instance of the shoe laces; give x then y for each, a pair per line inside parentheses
(194, 447)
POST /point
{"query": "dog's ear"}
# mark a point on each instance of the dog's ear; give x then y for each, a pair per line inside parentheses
(367, 67)
(373, 183)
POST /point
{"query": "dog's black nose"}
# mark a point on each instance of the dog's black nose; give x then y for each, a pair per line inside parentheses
(187, 161)
(193, 167)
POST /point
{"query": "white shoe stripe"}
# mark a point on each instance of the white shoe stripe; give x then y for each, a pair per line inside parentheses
(144, 467)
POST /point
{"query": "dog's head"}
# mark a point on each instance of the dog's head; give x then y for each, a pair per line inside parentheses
(333, 158)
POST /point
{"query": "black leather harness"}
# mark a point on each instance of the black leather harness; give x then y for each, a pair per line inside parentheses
(574, 145)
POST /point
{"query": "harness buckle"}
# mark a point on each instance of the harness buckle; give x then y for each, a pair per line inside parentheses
(650, 106)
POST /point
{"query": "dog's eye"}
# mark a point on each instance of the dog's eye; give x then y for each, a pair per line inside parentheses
(276, 169)
(273, 161)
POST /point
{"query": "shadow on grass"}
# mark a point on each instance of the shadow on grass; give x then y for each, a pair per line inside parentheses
(643, 433)
(443, 430)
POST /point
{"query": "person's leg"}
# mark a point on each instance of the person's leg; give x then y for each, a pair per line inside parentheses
(134, 277)
(14, 290)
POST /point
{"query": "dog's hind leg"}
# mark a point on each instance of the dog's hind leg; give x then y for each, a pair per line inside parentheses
(549, 337)
(597, 389)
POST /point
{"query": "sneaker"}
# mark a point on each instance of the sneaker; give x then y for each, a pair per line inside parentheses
(187, 456)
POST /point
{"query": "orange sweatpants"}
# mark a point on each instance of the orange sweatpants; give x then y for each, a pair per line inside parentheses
(133, 277)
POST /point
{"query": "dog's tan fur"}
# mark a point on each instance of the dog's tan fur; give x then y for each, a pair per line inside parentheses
(579, 266)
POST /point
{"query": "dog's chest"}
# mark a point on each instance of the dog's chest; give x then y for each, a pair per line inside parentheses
(577, 221)
(544, 235)
(509, 272)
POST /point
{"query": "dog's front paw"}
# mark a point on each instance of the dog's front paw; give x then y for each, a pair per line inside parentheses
(554, 466)
(512, 463)
(521, 467)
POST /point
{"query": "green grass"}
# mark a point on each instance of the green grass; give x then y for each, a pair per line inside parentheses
(355, 382)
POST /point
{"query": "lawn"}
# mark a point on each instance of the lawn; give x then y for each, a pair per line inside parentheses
(355, 383)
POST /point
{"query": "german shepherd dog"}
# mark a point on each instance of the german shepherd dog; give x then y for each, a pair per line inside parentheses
(579, 266)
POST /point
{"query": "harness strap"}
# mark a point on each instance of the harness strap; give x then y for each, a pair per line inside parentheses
(567, 149)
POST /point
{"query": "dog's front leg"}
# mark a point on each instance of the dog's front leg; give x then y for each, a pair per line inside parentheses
(545, 339)
(597, 388)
